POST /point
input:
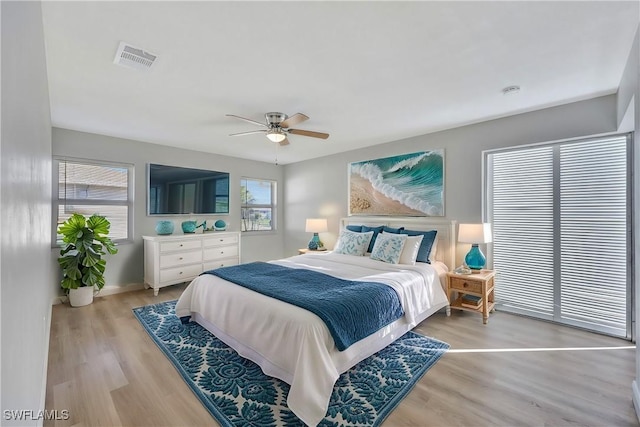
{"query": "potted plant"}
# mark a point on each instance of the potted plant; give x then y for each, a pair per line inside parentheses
(84, 243)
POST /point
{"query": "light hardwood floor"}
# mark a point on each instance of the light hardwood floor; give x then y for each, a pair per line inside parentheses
(106, 371)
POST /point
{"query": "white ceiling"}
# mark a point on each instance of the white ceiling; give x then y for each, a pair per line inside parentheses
(365, 72)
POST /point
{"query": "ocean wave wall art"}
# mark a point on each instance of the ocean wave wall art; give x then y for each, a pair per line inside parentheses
(406, 185)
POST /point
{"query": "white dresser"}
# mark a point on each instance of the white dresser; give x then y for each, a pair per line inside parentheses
(181, 258)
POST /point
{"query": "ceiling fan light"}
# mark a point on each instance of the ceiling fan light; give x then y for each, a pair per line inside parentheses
(276, 136)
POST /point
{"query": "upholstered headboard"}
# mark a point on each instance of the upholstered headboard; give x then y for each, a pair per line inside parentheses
(446, 236)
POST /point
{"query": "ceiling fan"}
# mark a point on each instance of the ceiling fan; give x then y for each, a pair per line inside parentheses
(277, 126)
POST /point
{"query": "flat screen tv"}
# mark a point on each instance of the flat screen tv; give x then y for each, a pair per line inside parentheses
(174, 190)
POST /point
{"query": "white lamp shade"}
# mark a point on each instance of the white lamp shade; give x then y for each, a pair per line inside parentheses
(276, 136)
(316, 225)
(475, 233)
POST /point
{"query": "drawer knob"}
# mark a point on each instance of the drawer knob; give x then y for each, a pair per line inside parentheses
(221, 252)
(180, 258)
(181, 272)
(180, 244)
(465, 285)
(222, 240)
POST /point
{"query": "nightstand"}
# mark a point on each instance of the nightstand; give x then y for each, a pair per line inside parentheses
(306, 251)
(476, 284)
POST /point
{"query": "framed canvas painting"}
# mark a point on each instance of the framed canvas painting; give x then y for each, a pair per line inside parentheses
(404, 185)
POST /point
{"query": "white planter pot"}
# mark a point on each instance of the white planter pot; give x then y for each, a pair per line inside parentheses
(81, 296)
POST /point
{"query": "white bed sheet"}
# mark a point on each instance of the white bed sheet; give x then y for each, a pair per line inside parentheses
(294, 344)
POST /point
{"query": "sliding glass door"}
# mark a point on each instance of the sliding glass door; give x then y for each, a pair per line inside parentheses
(561, 220)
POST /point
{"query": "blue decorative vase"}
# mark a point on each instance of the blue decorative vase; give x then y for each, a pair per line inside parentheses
(189, 226)
(475, 259)
(164, 227)
(220, 225)
(314, 243)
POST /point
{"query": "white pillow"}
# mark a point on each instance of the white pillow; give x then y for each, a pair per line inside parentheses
(388, 247)
(352, 243)
(434, 250)
(410, 250)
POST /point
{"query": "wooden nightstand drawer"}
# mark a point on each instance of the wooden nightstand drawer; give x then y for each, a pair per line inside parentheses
(465, 285)
(463, 292)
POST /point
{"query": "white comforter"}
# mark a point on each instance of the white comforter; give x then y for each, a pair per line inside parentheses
(294, 344)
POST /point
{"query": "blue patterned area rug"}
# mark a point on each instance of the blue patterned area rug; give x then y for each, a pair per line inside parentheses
(237, 393)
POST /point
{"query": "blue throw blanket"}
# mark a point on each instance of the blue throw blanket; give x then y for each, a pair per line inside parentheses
(351, 310)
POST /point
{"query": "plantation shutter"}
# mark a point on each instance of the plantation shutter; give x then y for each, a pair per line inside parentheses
(560, 215)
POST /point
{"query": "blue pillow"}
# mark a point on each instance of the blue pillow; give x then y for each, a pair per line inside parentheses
(376, 231)
(356, 228)
(426, 245)
(392, 230)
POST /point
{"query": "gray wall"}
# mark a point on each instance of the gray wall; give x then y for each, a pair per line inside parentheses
(318, 188)
(25, 176)
(629, 106)
(126, 267)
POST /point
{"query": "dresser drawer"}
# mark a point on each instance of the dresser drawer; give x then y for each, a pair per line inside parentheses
(220, 252)
(220, 263)
(465, 285)
(184, 273)
(180, 245)
(169, 260)
(220, 241)
(180, 258)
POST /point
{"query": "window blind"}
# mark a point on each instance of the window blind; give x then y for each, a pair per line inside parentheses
(560, 214)
(88, 187)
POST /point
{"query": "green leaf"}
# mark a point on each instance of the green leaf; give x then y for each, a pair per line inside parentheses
(91, 258)
(68, 283)
(71, 227)
(99, 224)
(110, 247)
(91, 277)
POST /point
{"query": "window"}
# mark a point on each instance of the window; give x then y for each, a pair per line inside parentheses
(88, 187)
(561, 220)
(257, 200)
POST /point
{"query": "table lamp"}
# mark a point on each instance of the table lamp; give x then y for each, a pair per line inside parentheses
(315, 226)
(475, 234)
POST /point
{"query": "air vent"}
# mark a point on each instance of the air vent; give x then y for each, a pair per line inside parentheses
(133, 57)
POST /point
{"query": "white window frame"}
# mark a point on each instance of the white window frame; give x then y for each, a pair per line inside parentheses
(272, 206)
(57, 201)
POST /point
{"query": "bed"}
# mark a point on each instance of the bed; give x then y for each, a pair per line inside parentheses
(295, 345)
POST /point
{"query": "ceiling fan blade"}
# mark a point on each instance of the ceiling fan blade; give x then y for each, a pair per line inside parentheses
(247, 120)
(309, 133)
(248, 133)
(284, 142)
(294, 120)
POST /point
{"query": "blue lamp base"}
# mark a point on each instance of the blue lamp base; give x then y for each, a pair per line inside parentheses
(314, 243)
(475, 259)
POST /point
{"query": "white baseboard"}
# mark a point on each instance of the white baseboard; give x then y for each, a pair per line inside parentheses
(45, 365)
(111, 290)
(636, 398)
(107, 290)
